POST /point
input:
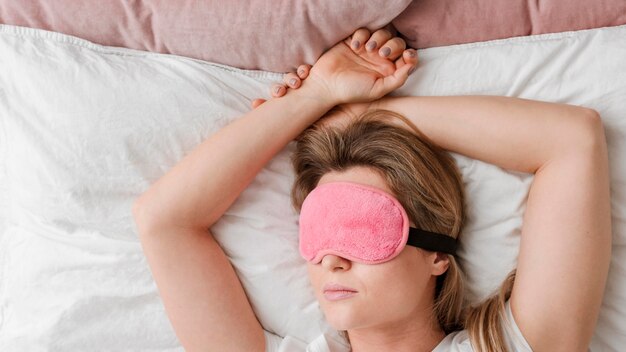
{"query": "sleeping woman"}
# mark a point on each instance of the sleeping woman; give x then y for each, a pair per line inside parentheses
(381, 211)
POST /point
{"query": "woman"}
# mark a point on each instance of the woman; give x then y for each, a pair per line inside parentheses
(553, 302)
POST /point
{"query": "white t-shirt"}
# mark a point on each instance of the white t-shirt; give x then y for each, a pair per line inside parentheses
(457, 341)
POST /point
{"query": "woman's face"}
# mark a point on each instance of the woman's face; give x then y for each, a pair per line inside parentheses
(377, 295)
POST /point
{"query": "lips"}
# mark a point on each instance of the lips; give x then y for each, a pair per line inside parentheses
(335, 292)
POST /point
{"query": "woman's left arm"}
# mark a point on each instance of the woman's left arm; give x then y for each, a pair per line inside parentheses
(565, 246)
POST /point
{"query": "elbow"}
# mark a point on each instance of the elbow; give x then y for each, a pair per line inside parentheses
(590, 132)
(581, 136)
(593, 123)
(153, 213)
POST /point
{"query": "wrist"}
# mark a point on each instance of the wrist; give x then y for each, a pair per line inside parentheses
(304, 106)
(313, 88)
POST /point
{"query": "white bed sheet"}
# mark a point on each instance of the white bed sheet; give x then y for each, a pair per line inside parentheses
(84, 129)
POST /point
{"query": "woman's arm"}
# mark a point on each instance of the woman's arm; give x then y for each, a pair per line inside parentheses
(200, 290)
(566, 236)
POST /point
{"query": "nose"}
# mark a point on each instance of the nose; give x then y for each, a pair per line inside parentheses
(333, 262)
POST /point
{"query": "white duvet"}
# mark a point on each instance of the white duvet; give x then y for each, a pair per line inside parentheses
(84, 129)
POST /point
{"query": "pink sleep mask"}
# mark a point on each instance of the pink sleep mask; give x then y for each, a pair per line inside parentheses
(360, 223)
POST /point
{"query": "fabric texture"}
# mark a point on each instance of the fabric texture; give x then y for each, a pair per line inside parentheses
(85, 129)
(430, 23)
(275, 35)
(357, 222)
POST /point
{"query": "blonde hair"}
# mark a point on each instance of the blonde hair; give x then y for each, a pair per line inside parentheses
(428, 184)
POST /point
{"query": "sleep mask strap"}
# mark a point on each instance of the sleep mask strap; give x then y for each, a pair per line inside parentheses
(431, 241)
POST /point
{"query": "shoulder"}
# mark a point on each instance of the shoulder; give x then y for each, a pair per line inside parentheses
(459, 341)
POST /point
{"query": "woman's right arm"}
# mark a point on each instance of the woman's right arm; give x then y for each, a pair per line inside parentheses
(566, 236)
(202, 295)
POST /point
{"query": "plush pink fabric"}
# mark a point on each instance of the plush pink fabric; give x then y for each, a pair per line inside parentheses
(354, 221)
(273, 35)
(429, 23)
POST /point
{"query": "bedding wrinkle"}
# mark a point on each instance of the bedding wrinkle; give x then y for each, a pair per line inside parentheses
(138, 26)
(534, 9)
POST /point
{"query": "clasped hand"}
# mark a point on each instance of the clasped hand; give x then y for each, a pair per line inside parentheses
(360, 69)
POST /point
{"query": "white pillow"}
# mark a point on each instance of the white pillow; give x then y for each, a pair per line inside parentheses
(88, 128)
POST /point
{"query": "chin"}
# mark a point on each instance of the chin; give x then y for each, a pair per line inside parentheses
(340, 325)
(342, 319)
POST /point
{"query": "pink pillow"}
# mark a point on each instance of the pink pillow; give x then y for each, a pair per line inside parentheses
(429, 23)
(272, 35)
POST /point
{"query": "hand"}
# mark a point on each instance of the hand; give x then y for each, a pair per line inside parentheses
(357, 69)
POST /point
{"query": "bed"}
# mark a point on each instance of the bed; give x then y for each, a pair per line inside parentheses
(86, 128)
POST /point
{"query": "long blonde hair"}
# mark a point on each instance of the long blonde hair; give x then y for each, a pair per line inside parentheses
(428, 184)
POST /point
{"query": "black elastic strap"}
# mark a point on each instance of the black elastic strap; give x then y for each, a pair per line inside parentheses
(430, 241)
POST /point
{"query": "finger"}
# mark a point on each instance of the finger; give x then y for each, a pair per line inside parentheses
(278, 90)
(257, 102)
(392, 49)
(358, 39)
(292, 80)
(393, 82)
(379, 37)
(303, 71)
(409, 57)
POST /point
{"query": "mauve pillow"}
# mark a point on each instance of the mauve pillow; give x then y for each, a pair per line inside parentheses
(270, 35)
(430, 23)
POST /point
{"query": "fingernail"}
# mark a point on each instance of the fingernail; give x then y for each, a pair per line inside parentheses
(300, 72)
(385, 51)
(293, 82)
(356, 44)
(412, 70)
(277, 90)
(371, 45)
(412, 53)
